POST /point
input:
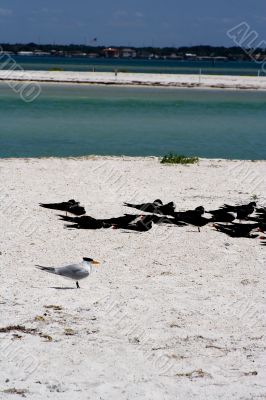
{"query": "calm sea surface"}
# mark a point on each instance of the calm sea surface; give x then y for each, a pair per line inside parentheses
(44, 63)
(81, 120)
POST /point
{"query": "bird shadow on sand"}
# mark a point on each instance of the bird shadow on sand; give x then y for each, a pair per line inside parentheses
(63, 288)
(130, 231)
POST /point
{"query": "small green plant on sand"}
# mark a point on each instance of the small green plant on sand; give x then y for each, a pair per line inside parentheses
(56, 69)
(178, 159)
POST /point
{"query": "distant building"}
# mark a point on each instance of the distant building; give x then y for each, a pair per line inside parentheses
(41, 53)
(191, 56)
(153, 56)
(111, 52)
(78, 54)
(25, 53)
(174, 56)
(220, 58)
(93, 55)
(144, 54)
(128, 53)
(205, 58)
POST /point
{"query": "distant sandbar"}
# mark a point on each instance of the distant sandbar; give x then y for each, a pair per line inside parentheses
(138, 79)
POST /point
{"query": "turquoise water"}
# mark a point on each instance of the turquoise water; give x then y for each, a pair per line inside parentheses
(81, 120)
(144, 66)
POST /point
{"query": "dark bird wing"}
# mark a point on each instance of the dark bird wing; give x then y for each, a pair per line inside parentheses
(71, 206)
(124, 219)
(77, 210)
(221, 216)
(228, 207)
(261, 211)
(78, 220)
(237, 230)
(87, 222)
(69, 219)
(130, 205)
(55, 206)
(145, 207)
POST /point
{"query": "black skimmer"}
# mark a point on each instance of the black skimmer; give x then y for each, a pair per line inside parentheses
(242, 211)
(192, 217)
(157, 207)
(238, 230)
(221, 216)
(86, 222)
(70, 206)
(144, 224)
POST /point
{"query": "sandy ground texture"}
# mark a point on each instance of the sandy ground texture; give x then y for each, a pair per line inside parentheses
(172, 80)
(170, 314)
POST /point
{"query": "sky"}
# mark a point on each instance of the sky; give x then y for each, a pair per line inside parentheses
(129, 23)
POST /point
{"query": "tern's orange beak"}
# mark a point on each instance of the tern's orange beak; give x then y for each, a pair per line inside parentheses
(95, 262)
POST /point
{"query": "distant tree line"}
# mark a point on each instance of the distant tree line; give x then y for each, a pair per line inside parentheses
(232, 53)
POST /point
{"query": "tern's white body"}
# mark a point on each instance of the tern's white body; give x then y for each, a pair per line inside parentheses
(72, 271)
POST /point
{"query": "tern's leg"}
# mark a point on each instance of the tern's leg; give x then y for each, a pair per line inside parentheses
(198, 229)
(78, 287)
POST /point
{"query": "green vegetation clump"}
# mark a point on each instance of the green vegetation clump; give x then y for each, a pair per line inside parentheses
(57, 69)
(178, 159)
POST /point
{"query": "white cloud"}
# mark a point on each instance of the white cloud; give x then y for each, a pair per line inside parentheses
(4, 12)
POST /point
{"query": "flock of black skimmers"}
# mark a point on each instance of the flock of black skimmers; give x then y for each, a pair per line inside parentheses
(246, 220)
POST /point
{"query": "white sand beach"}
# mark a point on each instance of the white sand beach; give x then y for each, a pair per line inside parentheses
(136, 79)
(170, 314)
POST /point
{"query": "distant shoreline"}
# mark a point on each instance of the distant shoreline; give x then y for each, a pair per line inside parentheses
(137, 79)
